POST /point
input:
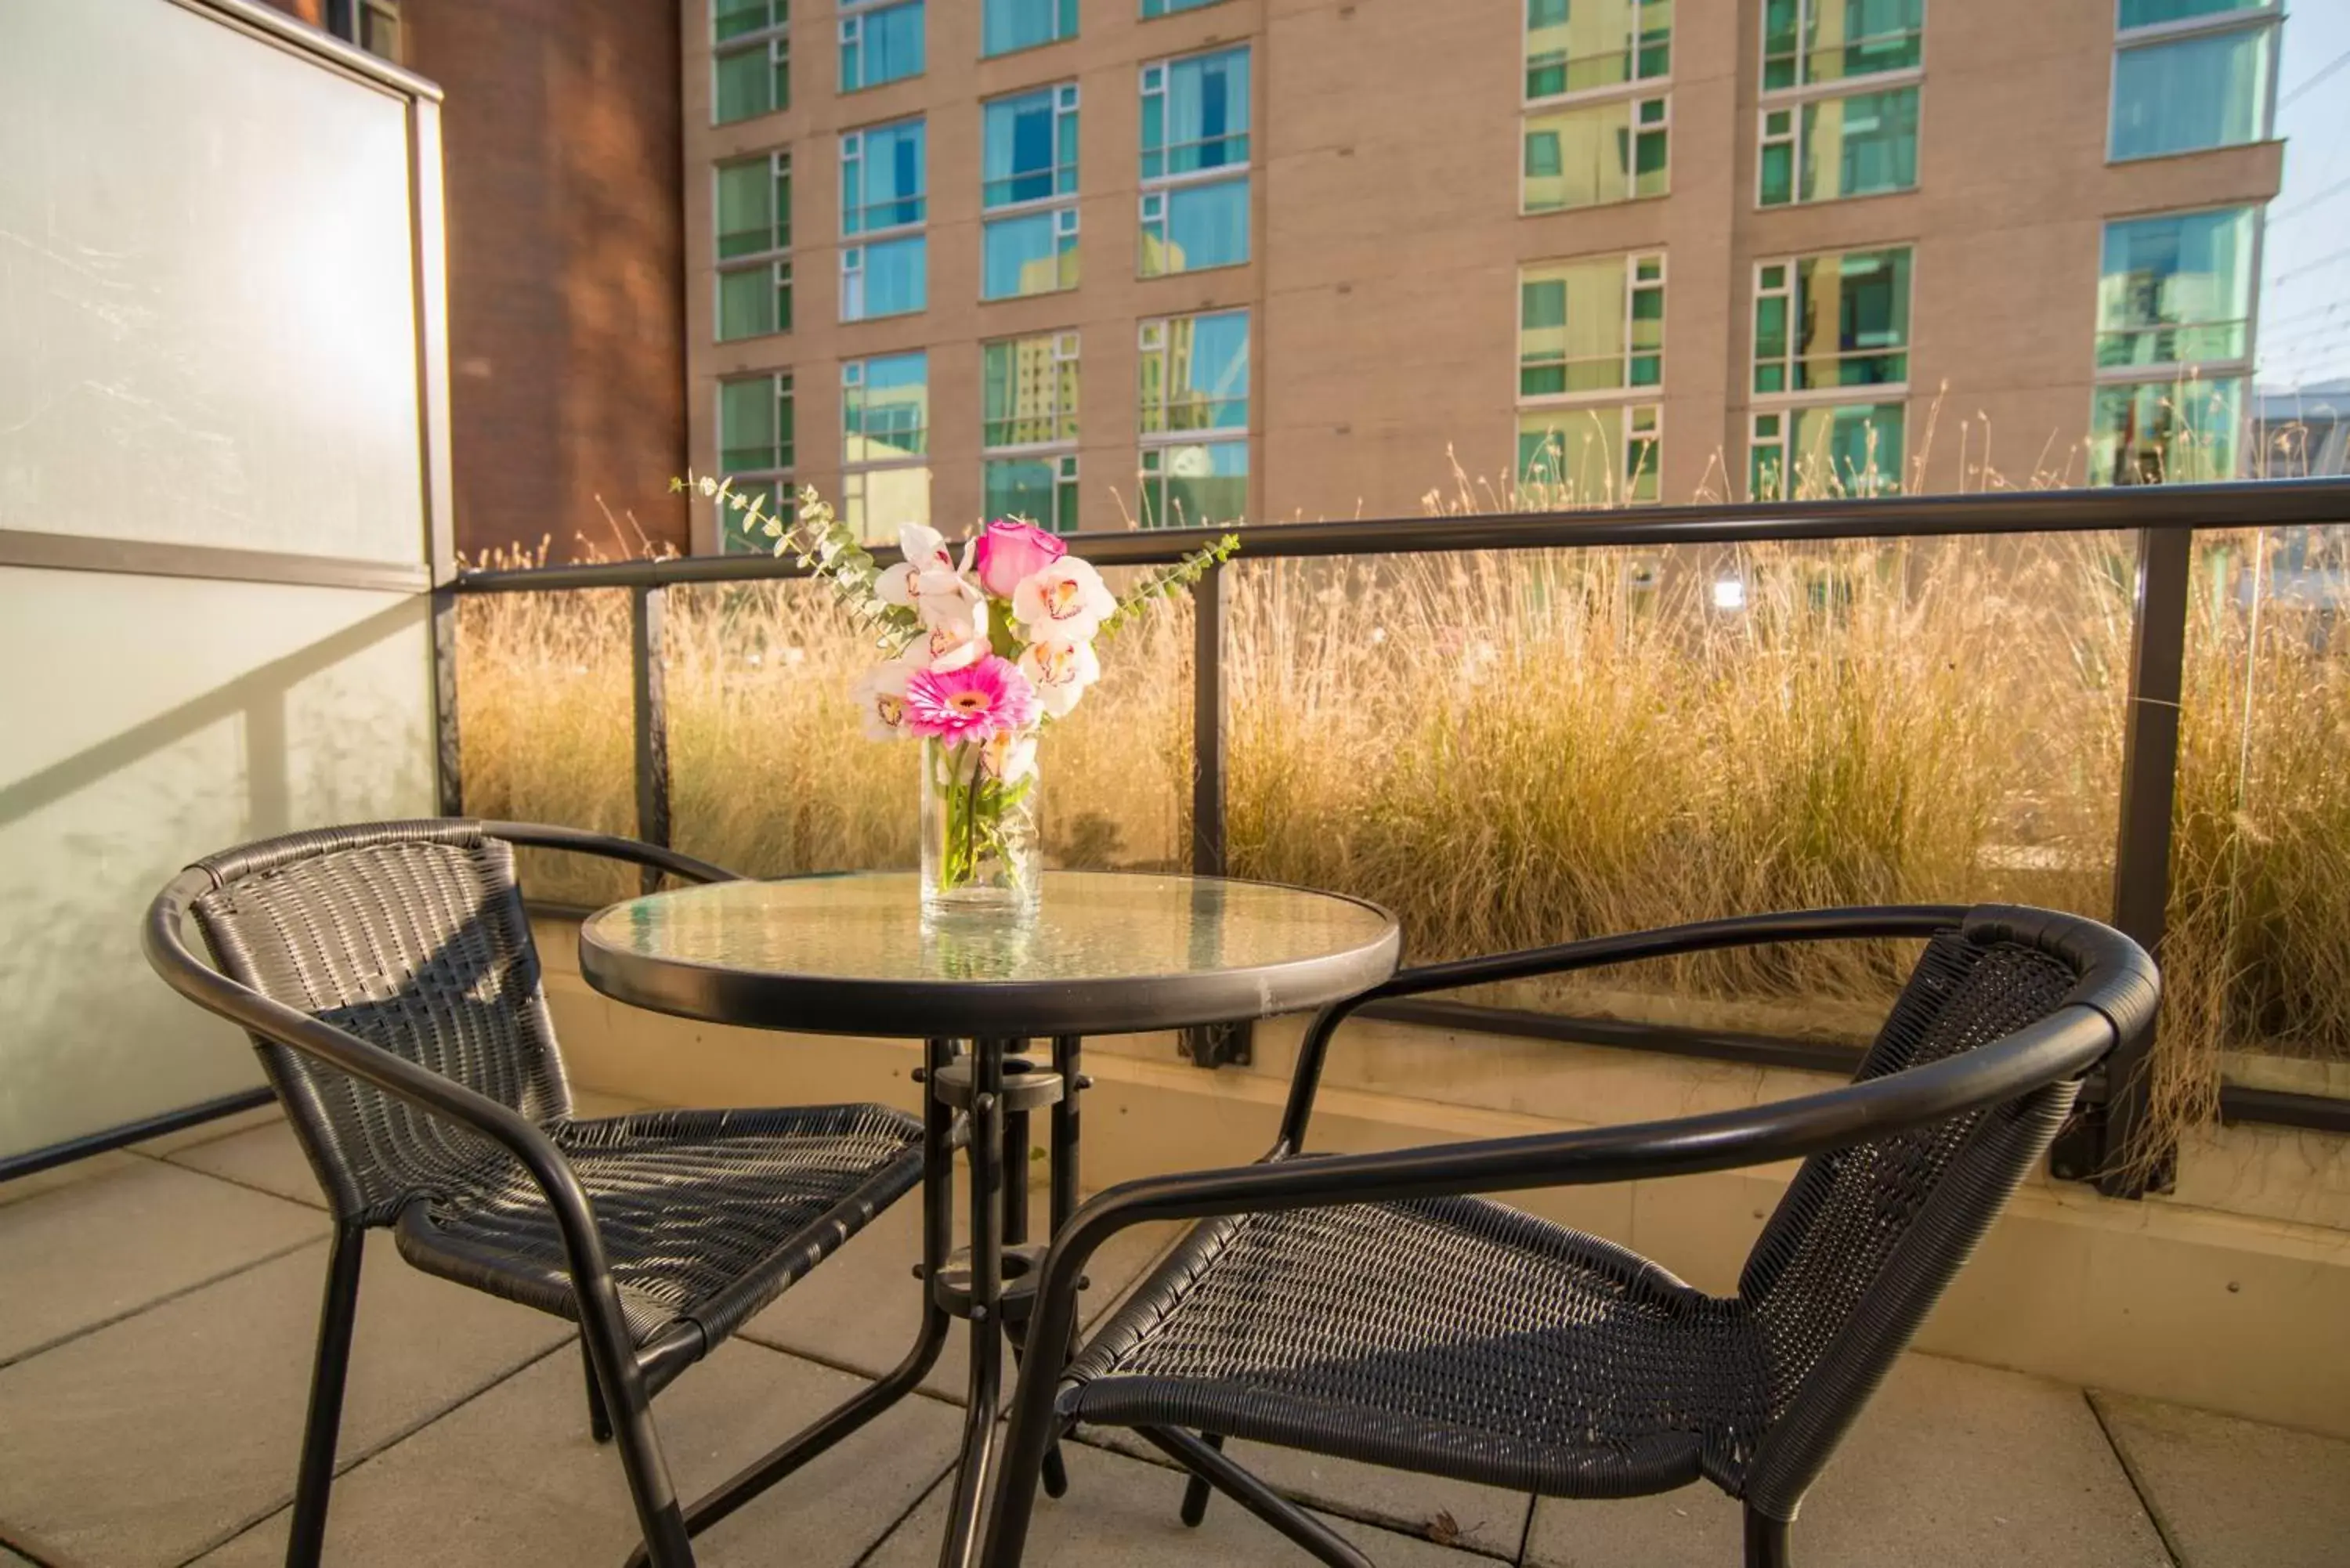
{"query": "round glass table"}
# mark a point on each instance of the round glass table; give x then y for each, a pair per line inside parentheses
(1104, 953)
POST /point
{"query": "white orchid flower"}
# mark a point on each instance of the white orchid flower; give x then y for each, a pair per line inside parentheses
(1067, 601)
(881, 697)
(926, 571)
(1009, 755)
(955, 645)
(1060, 668)
(923, 547)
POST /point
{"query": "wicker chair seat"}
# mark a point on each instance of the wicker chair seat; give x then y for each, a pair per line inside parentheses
(706, 1215)
(1456, 1336)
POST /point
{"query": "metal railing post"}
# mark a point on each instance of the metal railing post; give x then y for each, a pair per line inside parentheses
(648, 654)
(448, 754)
(1216, 1045)
(2123, 1168)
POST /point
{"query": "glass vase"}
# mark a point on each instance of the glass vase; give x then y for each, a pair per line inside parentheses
(981, 844)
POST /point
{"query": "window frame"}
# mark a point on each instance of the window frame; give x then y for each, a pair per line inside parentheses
(851, 30)
(1634, 86)
(1796, 107)
(1070, 9)
(1632, 193)
(1066, 351)
(777, 43)
(855, 373)
(2173, 374)
(1166, 436)
(2266, 17)
(1067, 102)
(776, 476)
(1833, 86)
(852, 148)
(1163, 185)
(1787, 411)
(1625, 389)
(1627, 411)
(1788, 394)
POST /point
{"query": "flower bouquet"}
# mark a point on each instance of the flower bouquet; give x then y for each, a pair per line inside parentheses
(982, 651)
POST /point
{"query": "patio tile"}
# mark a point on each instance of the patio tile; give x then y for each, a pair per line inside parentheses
(83, 1254)
(1123, 1512)
(860, 1307)
(10, 1560)
(204, 1132)
(512, 1478)
(146, 1441)
(1950, 1466)
(264, 1157)
(18, 1189)
(2232, 1493)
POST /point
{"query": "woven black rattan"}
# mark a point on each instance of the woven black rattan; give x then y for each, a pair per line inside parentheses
(389, 978)
(1439, 1331)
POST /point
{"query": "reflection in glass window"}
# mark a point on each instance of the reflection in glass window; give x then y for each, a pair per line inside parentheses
(1028, 166)
(1194, 484)
(1008, 24)
(1604, 456)
(1830, 147)
(1193, 373)
(1805, 42)
(1195, 152)
(754, 454)
(2165, 432)
(1188, 228)
(879, 43)
(882, 177)
(1042, 490)
(2176, 289)
(2211, 89)
(1820, 451)
(1595, 154)
(885, 428)
(753, 223)
(1835, 320)
(750, 59)
(1582, 46)
(887, 277)
(1028, 391)
(1589, 326)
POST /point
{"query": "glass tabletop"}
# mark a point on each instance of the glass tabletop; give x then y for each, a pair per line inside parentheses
(1153, 951)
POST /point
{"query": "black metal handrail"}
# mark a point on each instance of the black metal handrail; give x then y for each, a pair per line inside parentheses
(2165, 518)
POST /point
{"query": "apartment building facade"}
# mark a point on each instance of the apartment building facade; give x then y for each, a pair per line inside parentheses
(1196, 261)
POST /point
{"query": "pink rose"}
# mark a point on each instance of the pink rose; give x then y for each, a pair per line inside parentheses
(1010, 553)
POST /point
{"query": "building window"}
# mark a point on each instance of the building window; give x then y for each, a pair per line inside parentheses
(1824, 323)
(1822, 141)
(1590, 456)
(1806, 43)
(1028, 174)
(372, 25)
(1589, 330)
(754, 455)
(1194, 401)
(1009, 24)
(879, 43)
(885, 443)
(1825, 148)
(1029, 429)
(751, 58)
(754, 221)
(1595, 154)
(1169, 7)
(1595, 129)
(1592, 326)
(2174, 346)
(1595, 45)
(2190, 75)
(883, 197)
(1824, 450)
(1195, 158)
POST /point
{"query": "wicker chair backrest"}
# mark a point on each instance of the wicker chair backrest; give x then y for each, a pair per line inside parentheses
(412, 937)
(1867, 1238)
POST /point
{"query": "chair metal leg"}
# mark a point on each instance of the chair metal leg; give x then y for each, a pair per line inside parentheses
(630, 1410)
(599, 1420)
(1196, 1490)
(1259, 1498)
(337, 1316)
(1766, 1540)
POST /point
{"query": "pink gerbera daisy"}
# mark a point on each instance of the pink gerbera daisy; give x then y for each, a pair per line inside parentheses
(974, 704)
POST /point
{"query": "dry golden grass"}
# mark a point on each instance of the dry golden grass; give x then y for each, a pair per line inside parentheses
(1523, 748)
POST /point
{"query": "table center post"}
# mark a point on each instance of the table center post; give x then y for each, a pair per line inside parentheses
(984, 1155)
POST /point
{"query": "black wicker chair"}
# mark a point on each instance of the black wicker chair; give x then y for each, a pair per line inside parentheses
(1365, 1306)
(387, 975)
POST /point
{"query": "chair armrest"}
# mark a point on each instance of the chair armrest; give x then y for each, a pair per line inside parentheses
(1918, 920)
(635, 851)
(167, 951)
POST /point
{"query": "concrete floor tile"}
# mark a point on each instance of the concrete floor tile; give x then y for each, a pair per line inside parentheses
(18, 1189)
(1124, 1512)
(2232, 1493)
(1457, 1514)
(10, 1560)
(204, 1132)
(266, 1158)
(88, 1252)
(860, 1307)
(512, 1478)
(146, 1441)
(1950, 1466)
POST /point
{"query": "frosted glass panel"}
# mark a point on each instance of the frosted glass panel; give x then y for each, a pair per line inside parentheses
(207, 321)
(197, 715)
